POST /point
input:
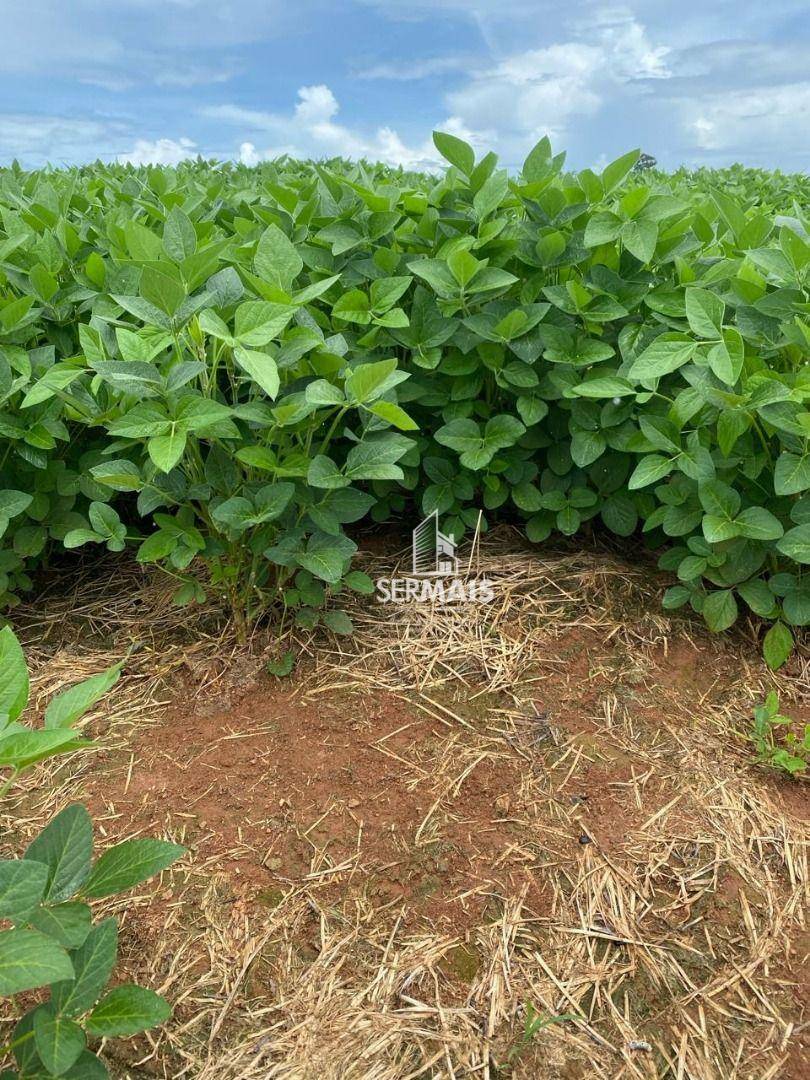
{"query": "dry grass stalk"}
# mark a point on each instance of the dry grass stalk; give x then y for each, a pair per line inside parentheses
(673, 937)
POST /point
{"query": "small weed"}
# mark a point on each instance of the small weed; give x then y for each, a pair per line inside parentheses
(533, 1023)
(780, 749)
(281, 667)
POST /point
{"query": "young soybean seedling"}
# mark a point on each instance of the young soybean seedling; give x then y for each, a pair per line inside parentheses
(21, 747)
(45, 896)
(787, 753)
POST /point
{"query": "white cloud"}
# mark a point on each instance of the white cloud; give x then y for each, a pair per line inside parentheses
(192, 76)
(248, 154)
(159, 152)
(56, 139)
(412, 70)
(317, 105)
(117, 46)
(537, 91)
(167, 77)
(252, 118)
(311, 131)
(633, 56)
(769, 118)
(116, 84)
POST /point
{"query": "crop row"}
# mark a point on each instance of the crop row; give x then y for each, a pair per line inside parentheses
(226, 367)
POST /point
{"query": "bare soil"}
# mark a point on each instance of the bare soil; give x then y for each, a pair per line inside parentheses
(385, 872)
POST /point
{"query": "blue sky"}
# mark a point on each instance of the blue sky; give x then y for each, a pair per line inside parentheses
(158, 80)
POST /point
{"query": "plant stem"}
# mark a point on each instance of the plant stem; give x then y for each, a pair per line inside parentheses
(15, 773)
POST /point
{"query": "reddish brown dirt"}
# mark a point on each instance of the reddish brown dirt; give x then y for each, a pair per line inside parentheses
(275, 787)
(275, 779)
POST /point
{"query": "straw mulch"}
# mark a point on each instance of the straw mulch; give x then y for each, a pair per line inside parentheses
(659, 929)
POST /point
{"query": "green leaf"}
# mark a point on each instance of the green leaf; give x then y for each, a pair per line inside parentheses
(455, 150)
(586, 447)
(167, 450)
(179, 237)
(650, 468)
(720, 610)
(359, 582)
(87, 1067)
(67, 923)
(374, 458)
(59, 1041)
(162, 290)
(338, 622)
(531, 410)
(726, 358)
(13, 503)
(602, 229)
(322, 392)
(502, 431)
(568, 520)
(719, 499)
(704, 312)
(13, 677)
(128, 864)
(69, 706)
(120, 475)
(258, 457)
(490, 195)
(796, 544)
(29, 959)
(142, 244)
(792, 474)
(277, 259)
(213, 325)
(393, 414)
(717, 529)
(614, 173)
(258, 322)
(22, 883)
(777, 645)
(640, 238)
(796, 605)
(327, 556)
(676, 596)
(93, 963)
(353, 306)
(386, 291)
(283, 667)
(127, 1010)
(324, 473)
(106, 522)
(477, 448)
(368, 381)
(261, 368)
(461, 435)
(660, 358)
(603, 387)
(758, 597)
(23, 748)
(65, 846)
(620, 515)
(526, 496)
(536, 165)
(757, 523)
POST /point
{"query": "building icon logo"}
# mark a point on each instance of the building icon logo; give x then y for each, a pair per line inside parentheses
(435, 577)
(434, 553)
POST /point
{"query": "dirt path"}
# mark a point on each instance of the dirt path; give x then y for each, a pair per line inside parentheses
(388, 871)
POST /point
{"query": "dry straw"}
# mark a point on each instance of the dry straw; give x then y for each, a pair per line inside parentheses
(674, 938)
